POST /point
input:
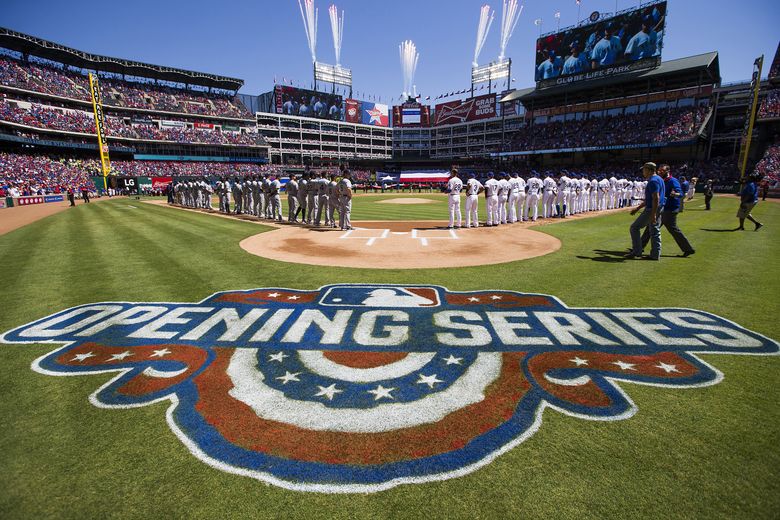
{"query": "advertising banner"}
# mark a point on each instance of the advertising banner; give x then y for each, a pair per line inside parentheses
(3, 202)
(307, 103)
(127, 183)
(177, 124)
(142, 120)
(27, 201)
(54, 198)
(230, 128)
(352, 110)
(207, 126)
(374, 114)
(627, 42)
(161, 182)
(481, 107)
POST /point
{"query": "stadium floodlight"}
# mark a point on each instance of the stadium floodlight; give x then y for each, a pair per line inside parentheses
(485, 21)
(337, 28)
(335, 74)
(491, 71)
(309, 15)
(509, 17)
(409, 58)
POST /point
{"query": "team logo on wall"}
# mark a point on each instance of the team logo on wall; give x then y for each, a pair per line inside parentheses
(359, 388)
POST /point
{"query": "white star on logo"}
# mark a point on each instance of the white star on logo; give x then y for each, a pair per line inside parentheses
(161, 353)
(82, 357)
(328, 391)
(287, 377)
(273, 294)
(625, 366)
(579, 362)
(667, 368)
(121, 356)
(473, 299)
(495, 297)
(380, 392)
(279, 356)
(452, 360)
(429, 380)
(293, 297)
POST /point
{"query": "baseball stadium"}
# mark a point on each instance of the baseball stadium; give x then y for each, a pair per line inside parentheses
(547, 291)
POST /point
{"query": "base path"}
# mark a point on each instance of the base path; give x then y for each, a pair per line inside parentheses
(401, 245)
(406, 200)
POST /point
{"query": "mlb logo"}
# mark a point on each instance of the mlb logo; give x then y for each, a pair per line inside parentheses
(380, 296)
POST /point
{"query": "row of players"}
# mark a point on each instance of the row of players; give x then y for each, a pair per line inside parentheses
(315, 197)
(510, 198)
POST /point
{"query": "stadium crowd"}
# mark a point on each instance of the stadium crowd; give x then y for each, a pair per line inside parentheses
(769, 165)
(50, 78)
(770, 106)
(43, 116)
(658, 126)
(23, 175)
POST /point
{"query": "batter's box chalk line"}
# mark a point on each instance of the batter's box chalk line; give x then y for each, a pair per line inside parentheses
(377, 234)
(452, 235)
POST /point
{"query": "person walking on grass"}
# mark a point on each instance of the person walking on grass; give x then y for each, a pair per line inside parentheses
(748, 201)
(674, 197)
(655, 198)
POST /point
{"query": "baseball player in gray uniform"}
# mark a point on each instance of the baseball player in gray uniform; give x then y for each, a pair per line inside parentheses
(312, 196)
(322, 199)
(333, 200)
(238, 196)
(275, 198)
(303, 188)
(292, 198)
(345, 201)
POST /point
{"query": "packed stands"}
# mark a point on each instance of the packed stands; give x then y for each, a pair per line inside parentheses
(769, 165)
(54, 118)
(22, 175)
(658, 126)
(49, 78)
(770, 106)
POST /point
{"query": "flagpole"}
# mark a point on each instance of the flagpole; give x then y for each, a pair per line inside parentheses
(579, 10)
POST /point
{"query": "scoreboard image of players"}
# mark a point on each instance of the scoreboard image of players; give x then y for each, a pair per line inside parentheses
(624, 43)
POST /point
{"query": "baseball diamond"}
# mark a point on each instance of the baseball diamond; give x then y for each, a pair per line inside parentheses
(365, 291)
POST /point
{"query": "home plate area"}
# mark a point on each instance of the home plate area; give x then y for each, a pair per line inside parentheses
(401, 245)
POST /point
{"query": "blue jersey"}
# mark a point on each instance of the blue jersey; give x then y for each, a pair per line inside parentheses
(607, 51)
(655, 185)
(547, 70)
(749, 193)
(575, 65)
(642, 45)
(672, 203)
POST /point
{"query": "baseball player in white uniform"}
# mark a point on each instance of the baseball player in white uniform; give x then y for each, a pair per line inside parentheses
(603, 194)
(491, 197)
(532, 199)
(564, 193)
(612, 198)
(594, 194)
(454, 187)
(503, 197)
(473, 189)
(550, 189)
(516, 198)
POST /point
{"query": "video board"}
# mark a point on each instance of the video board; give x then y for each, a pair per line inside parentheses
(366, 112)
(412, 114)
(624, 43)
(307, 103)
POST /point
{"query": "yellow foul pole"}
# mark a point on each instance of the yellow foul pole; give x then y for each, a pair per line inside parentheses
(100, 128)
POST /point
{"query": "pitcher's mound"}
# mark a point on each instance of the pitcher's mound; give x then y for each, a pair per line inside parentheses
(401, 245)
(406, 200)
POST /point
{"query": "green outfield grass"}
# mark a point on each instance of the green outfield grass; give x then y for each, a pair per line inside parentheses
(688, 453)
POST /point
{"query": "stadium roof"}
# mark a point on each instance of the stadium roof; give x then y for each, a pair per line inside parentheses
(706, 64)
(27, 44)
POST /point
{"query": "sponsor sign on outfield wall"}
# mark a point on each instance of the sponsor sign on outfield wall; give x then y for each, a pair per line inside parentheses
(360, 388)
(481, 107)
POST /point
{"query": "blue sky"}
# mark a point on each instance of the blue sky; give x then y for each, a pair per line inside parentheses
(261, 39)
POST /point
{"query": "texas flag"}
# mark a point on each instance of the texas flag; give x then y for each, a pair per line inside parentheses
(375, 114)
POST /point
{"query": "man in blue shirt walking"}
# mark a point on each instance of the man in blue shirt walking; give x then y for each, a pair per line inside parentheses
(655, 198)
(749, 199)
(673, 206)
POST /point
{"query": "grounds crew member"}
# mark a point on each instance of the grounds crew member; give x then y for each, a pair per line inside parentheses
(673, 206)
(749, 199)
(655, 199)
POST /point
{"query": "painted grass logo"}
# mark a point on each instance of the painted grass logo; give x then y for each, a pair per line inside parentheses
(358, 388)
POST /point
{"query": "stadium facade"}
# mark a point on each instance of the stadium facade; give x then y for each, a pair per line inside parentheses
(677, 110)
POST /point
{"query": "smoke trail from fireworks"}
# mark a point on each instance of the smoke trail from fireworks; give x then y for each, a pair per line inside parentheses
(310, 15)
(409, 58)
(509, 17)
(337, 28)
(485, 21)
